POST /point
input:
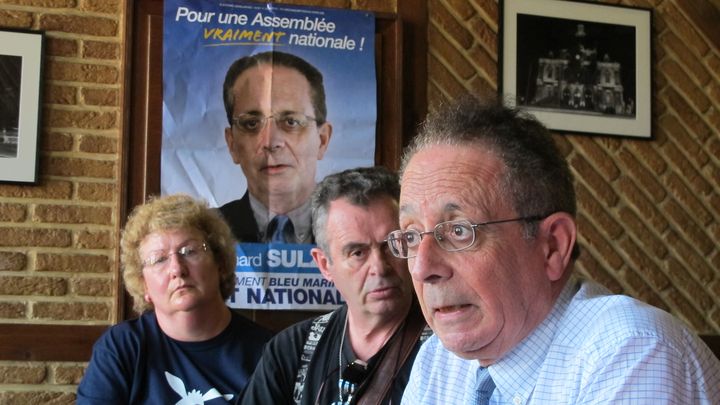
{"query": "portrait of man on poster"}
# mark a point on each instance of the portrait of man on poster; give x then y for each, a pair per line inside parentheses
(252, 121)
(277, 132)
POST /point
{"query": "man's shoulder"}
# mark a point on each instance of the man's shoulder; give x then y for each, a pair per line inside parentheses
(236, 207)
(302, 330)
(600, 320)
(239, 215)
(599, 309)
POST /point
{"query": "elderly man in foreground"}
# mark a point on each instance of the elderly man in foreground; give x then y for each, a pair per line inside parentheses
(487, 223)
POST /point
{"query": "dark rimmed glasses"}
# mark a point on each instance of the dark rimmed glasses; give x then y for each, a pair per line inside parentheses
(452, 236)
(289, 122)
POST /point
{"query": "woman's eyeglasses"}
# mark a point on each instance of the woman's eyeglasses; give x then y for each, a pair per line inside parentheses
(191, 253)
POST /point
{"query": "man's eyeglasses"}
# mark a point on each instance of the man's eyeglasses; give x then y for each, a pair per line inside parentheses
(192, 253)
(452, 236)
(252, 124)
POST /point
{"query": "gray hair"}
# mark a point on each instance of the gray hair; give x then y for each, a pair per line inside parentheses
(359, 186)
(537, 179)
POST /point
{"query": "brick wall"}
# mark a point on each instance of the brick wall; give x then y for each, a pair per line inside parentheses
(649, 211)
(58, 238)
(38, 383)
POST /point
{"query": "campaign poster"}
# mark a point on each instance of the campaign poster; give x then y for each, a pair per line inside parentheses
(281, 276)
(201, 39)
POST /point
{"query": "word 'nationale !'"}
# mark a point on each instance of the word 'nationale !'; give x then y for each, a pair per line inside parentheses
(254, 36)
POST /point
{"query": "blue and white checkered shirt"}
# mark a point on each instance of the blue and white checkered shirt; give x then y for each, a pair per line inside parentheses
(593, 348)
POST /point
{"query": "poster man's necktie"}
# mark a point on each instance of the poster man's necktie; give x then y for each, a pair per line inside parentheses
(279, 224)
(485, 386)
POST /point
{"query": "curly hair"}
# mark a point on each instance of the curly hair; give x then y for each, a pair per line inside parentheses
(170, 212)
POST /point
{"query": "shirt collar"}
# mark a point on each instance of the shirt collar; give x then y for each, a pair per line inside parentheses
(301, 218)
(516, 374)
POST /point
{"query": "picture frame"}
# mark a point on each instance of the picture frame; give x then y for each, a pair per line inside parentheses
(578, 67)
(21, 66)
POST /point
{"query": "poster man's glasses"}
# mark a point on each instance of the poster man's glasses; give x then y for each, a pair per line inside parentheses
(252, 124)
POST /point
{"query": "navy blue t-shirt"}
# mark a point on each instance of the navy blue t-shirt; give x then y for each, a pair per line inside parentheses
(134, 362)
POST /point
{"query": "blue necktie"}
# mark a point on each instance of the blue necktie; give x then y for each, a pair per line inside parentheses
(278, 225)
(485, 386)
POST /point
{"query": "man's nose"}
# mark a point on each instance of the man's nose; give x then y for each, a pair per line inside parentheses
(271, 138)
(428, 265)
(380, 260)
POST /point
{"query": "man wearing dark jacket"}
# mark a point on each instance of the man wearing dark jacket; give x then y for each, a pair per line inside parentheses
(364, 350)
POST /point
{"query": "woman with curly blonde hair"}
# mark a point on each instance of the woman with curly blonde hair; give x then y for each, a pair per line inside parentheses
(178, 259)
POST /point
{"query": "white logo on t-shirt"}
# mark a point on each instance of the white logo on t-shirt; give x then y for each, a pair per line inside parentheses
(193, 397)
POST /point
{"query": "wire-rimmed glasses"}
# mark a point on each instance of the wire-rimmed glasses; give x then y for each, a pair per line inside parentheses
(452, 236)
(191, 253)
(289, 122)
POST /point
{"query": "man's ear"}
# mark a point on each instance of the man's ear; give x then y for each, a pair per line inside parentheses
(325, 132)
(230, 141)
(323, 262)
(559, 232)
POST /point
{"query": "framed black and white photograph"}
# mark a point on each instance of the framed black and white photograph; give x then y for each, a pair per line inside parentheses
(578, 67)
(21, 57)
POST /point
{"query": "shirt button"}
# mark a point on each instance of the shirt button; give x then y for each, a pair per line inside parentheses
(517, 400)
